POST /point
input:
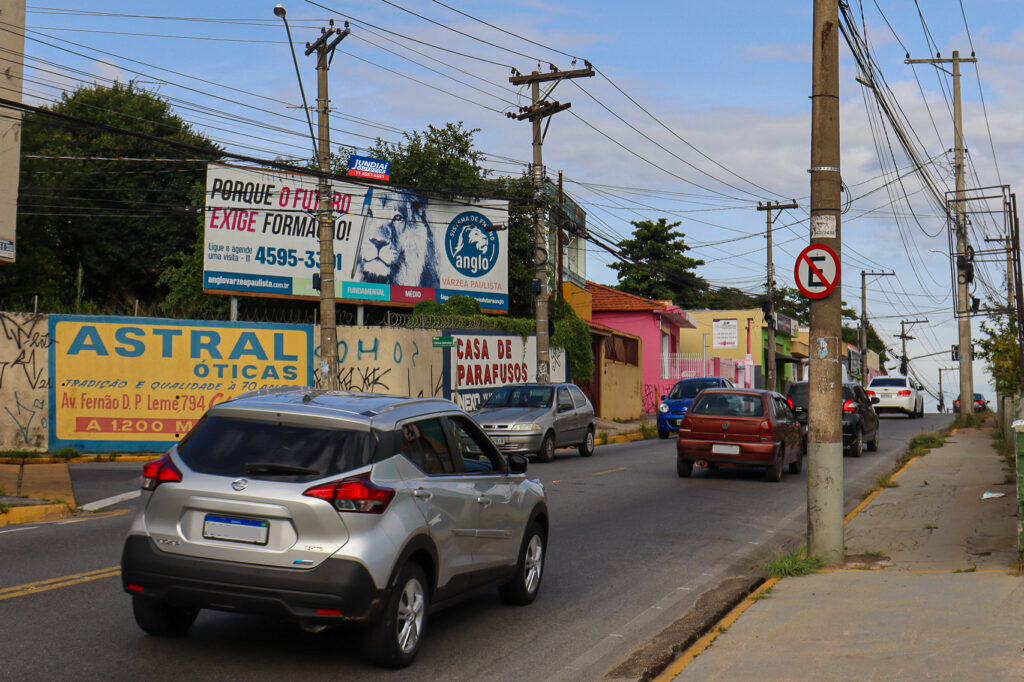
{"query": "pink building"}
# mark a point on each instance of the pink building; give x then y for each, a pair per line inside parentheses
(656, 324)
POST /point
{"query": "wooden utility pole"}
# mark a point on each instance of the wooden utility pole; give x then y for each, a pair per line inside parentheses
(864, 322)
(963, 312)
(825, 432)
(771, 210)
(324, 46)
(539, 109)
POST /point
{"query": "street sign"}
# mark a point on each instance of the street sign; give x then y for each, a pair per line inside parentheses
(817, 271)
(444, 342)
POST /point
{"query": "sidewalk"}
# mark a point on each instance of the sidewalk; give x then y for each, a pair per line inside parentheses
(935, 598)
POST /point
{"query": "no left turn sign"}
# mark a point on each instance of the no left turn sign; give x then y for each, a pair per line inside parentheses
(817, 271)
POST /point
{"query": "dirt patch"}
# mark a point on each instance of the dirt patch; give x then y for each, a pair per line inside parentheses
(865, 562)
(650, 658)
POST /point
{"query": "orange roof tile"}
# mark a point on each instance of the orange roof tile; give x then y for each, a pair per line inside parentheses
(608, 299)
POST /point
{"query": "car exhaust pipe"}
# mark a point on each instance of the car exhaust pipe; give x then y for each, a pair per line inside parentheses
(702, 463)
(312, 628)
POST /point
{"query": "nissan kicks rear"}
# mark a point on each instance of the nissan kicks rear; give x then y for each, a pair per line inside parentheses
(328, 508)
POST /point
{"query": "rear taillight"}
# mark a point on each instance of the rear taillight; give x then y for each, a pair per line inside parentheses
(957, 401)
(685, 425)
(356, 494)
(903, 394)
(160, 470)
(791, 405)
(766, 428)
(870, 392)
(849, 406)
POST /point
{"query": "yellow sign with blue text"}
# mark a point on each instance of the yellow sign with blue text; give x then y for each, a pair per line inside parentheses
(131, 384)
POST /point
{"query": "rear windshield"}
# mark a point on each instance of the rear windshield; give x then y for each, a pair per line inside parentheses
(729, 405)
(798, 394)
(886, 383)
(226, 446)
(690, 389)
(521, 396)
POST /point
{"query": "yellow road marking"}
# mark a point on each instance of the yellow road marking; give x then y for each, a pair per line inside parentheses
(608, 471)
(704, 642)
(54, 583)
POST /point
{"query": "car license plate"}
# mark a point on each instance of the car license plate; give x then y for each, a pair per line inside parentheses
(252, 531)
(725, 449)
(498, 441)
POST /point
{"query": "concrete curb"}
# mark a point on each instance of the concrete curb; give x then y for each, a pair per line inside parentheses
(35, 513)
(623, 438)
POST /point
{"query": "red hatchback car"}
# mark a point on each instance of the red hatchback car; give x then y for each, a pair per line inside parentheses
(740, 426)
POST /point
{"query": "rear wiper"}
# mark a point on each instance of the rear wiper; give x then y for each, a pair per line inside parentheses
(272, 468)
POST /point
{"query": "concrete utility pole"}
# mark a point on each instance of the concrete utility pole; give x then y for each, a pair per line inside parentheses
(12, 43)
(324, 47)
(771, 210)
(904, 363)
(942, 395)
(540, 109)
(825, 432)
(864, 322)
(962, 263)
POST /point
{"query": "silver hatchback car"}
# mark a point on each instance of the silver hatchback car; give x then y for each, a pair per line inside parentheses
(538, 418)
(329, 508)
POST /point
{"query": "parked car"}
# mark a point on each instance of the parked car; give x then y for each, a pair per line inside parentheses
(674, 405)
(330, 508)
(539, 418)
(897, 394)
(860, 421)
(980, 404)
(740, 426)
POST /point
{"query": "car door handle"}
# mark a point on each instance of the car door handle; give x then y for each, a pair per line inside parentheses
(422, 494)
(484, 500)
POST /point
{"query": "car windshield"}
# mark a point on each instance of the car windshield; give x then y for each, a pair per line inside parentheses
(521, 396)
(888, 382)
(690, 389)
(227, 446)
(729, 405)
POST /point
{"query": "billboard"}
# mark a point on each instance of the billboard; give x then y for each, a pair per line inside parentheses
(480, 362)
(725, 333)
(140, 384)
(391, 246)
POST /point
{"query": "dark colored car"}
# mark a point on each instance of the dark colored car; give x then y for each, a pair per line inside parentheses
(860, 421)
(740, 426)
(980, 404)
(673, 406)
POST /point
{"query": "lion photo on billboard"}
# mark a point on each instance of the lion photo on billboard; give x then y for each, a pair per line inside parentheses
(398, 246)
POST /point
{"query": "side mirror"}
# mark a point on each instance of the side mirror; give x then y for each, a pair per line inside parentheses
(875, 400)
(516, 463)
(564, 408)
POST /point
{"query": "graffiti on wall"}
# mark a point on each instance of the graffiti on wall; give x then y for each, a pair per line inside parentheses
(650, 395)
(386, 360)
(24, 380)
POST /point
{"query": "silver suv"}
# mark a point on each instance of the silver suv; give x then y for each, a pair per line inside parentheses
(330, 508)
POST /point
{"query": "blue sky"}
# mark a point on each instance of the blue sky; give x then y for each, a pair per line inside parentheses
(728, 83)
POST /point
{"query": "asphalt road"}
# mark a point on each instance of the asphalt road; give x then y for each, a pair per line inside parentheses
(632, 547)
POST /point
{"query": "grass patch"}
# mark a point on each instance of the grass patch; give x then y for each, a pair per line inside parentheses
(648, 430)
(966, 570)
(886, 481)
(602, 438)
(927, 440)
(766, 594)
(4, 508)
(793, 565)
(931, 527)
(875, 554)
(21, 454)
(974, 420)
(67, 453)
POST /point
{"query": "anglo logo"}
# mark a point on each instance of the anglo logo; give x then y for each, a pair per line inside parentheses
(470, 244)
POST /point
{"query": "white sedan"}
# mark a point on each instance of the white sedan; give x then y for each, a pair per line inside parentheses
(897, 394)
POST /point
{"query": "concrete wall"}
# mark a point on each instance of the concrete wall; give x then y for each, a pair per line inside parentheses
(386, 360)
(24, 381)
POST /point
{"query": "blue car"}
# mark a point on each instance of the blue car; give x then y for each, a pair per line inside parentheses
(673, 406)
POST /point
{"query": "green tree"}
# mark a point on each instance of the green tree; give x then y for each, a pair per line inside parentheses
(727, 298)
(106, 224)
(1000, 351)
(658, 267)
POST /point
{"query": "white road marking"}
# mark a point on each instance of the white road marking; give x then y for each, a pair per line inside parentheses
(100, 504)
(15, 530)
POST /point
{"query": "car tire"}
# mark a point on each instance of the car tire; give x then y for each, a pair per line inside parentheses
(394, 640)
(857, 446)
(160, 619)
(912, 414)
(523, 588)
(587, 446)
(774, 472)
(873, 443)
(663, 434)
(547, 448)
(684, 467)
